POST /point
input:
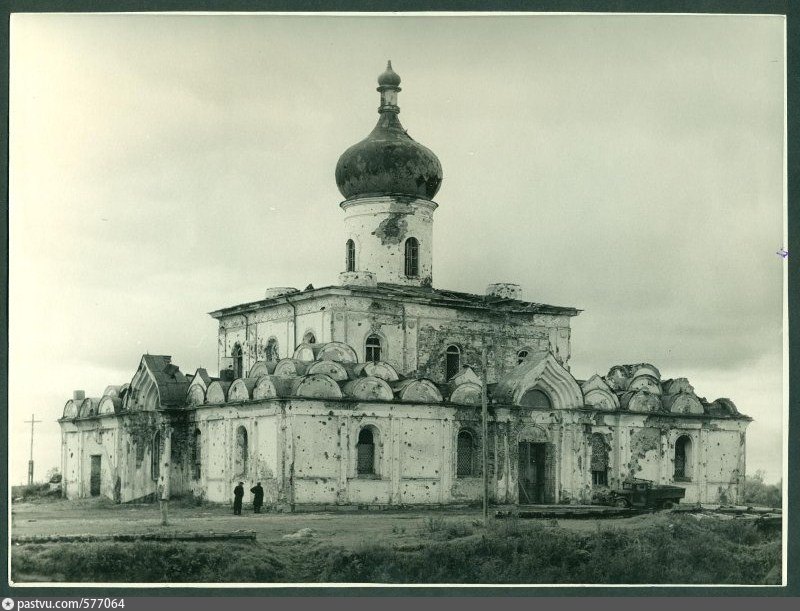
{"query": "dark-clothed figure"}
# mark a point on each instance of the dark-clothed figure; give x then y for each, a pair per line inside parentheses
(238, 494)
(258, 497)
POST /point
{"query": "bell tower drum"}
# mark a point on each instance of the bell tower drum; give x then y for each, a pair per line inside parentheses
(388, 181)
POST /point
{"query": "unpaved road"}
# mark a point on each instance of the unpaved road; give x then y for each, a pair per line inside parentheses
(402, 527)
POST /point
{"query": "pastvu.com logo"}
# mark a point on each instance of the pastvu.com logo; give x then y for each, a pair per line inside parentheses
(8, 603)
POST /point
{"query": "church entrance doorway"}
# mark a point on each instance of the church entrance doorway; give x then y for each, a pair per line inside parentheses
(532, 473)
(94, 479)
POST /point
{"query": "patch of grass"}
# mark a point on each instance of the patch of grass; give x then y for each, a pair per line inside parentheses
(35, 492)
(674, 549)
(148, 561)
(434, 524)
(442, 529)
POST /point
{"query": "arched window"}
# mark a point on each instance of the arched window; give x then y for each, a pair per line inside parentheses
(373, 349)
(196, 454)
(240, 458)
(271, 351)
(238, 361)
(683, 459)
(465, 455)
(599, 462)
(155, 456)
(365, 450)
(310, 338)
(412, 257)
(521, 356)
(536, 398)
(453, 359)
(350, 256)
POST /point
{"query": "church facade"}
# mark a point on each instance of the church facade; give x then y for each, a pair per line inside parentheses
(369, 392)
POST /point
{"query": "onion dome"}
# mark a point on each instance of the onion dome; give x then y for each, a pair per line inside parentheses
(389, 78)
(388, 161)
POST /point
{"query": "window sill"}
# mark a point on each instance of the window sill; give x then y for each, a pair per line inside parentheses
(682, 479)
(367, 476)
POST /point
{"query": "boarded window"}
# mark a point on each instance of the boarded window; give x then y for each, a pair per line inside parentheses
(271, 352)
(366, 452)
(238, 361)
(373, 349)
(453, 358)
(241, 456)
(599, 463)
(412, 257)
(350, 256)
(465, 455)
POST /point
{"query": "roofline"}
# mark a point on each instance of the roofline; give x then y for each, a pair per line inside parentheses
(291, 298)
(446, 404)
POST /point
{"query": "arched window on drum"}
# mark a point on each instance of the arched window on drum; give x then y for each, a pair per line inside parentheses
(350, 256)
(412, 257)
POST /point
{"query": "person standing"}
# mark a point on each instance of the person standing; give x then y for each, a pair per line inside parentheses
(238, 494)
(258, 497)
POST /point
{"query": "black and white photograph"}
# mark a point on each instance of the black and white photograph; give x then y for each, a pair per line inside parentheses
(411, 299)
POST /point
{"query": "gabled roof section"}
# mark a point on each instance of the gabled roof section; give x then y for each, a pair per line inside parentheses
(170, 382)
(540, 371)
(417, 294)
(200, 377)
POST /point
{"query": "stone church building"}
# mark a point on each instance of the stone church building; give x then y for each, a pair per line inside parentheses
(369, 392)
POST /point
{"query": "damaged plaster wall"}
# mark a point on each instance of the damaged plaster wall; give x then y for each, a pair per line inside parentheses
(414, 336)
(380, 226)
(304, 452)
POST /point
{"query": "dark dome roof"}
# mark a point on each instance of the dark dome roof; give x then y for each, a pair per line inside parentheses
(388, 161)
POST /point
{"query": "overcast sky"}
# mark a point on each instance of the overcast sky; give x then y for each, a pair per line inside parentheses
(166, 166)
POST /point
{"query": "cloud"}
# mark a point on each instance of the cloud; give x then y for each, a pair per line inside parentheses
(165, 166)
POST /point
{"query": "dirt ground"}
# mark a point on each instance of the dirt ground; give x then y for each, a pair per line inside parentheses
(347, 529)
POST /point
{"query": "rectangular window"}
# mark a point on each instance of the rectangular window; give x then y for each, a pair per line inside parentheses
(599, 478)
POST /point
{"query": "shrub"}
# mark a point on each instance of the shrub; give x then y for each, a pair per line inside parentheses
(756, 492)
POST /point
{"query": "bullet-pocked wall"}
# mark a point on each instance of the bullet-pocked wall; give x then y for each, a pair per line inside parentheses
(102, 457)
(392, 238)
(414, 335)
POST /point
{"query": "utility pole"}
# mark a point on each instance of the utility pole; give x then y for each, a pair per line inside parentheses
(165, 474)
(30, 462)
(485, 436)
